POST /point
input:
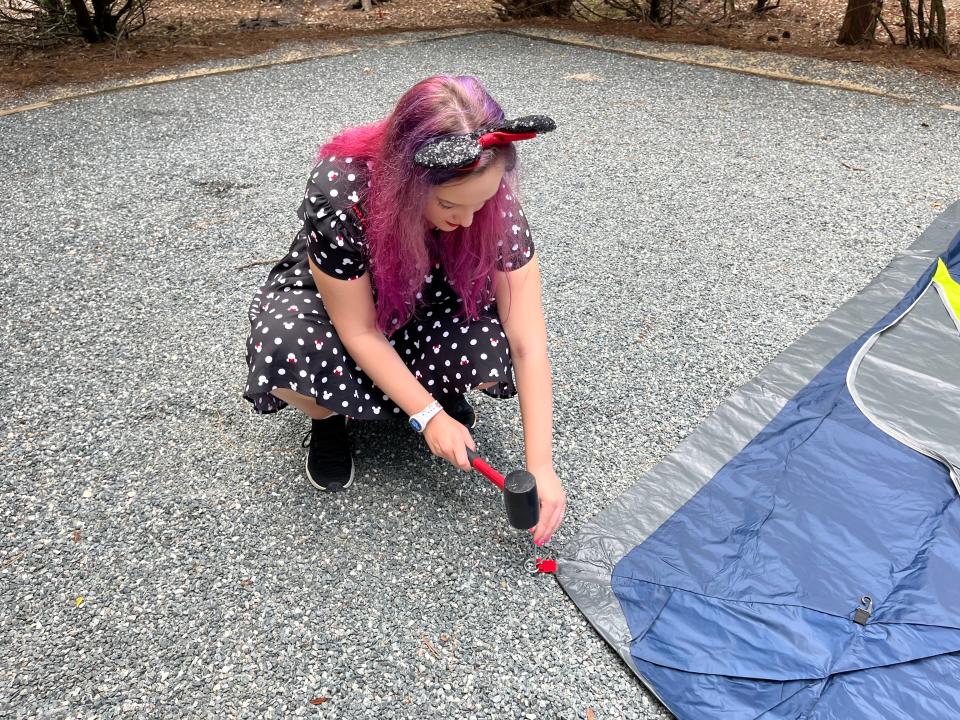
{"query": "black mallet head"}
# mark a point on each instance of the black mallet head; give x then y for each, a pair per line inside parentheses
(521, 500)
(519, 490)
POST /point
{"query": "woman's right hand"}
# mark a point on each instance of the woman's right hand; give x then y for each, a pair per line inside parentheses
(449, 439)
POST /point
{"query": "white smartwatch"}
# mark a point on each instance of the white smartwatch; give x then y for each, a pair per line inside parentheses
(419, 421)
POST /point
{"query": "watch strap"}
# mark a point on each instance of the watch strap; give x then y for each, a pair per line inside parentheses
(419, 421)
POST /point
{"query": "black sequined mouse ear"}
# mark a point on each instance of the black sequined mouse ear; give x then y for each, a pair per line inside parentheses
(527, 124)
(454, 152)
(449, 153)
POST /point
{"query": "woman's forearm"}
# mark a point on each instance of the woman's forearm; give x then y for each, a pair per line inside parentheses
(535, 388)
(374, 353)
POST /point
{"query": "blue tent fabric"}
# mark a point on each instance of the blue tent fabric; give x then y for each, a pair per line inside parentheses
(741, 604)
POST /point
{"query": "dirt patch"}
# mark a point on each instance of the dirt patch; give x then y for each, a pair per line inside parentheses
(185, 31)
(805, 40)
(807, 28)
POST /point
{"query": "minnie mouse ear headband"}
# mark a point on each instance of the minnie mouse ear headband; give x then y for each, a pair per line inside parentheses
(460, 152)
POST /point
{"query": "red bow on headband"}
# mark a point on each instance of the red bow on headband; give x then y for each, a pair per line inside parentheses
(498, 137)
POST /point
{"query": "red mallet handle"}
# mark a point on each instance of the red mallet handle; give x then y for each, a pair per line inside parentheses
(481, 466)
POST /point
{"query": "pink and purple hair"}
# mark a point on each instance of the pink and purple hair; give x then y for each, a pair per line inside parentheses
(397, 233)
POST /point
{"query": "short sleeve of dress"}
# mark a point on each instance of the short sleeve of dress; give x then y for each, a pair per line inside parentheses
(516, 247)
(335, 239)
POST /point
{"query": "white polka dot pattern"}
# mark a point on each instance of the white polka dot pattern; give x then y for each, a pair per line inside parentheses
(516, 247)
(293, 344)
(329, 212)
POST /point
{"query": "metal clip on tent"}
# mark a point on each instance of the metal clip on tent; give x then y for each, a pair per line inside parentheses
(519, 490)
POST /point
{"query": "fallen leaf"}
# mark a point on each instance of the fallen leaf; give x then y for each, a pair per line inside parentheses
(583, 77)
(79, 600)
(429, 645)
(16, 556)
(246, 582)
(590, 715)
(852, 167)
(318, 700)
(75, 536)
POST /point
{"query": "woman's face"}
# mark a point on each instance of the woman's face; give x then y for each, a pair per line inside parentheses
(453, 204)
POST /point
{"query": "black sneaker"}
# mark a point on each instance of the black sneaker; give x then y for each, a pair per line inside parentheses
(329, 459)
(457, 407)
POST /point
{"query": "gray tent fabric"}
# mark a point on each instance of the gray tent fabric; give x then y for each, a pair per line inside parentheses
(906, 379)
(585, 572)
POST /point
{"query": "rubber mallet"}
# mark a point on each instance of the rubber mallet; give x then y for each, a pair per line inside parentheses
(519, 490)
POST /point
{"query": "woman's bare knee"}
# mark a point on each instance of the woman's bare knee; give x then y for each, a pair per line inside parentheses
(303, 403)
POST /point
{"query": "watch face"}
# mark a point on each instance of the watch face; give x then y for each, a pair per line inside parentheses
(415, 424)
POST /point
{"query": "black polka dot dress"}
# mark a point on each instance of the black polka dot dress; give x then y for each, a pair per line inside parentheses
(293, 344)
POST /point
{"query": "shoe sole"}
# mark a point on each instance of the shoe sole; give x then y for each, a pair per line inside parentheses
(318, 486)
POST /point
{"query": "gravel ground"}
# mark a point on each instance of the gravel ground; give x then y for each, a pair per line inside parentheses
(161, 554)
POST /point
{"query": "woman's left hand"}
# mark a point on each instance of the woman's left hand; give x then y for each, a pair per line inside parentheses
(553, 502)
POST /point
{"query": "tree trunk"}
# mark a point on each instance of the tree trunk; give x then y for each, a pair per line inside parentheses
(938, 26)
(84, 21)
(365, 5)
(103, 23)
(513, 9)
(860, 21)
(909, 34)
(656, 11)
(105, 19)
(930, 30)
